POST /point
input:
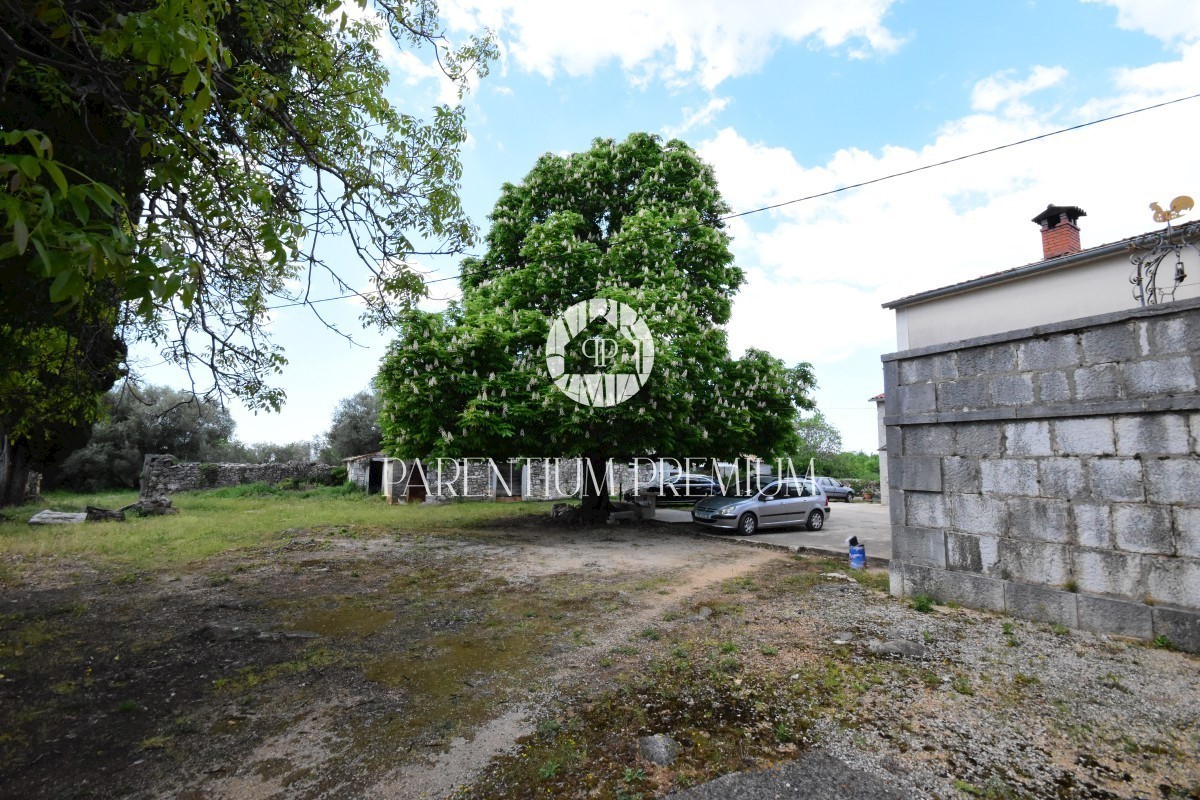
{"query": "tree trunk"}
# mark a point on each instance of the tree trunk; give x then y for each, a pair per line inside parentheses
(14, 471)
(595, 505)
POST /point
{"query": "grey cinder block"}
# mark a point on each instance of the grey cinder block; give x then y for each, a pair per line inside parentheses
(1011, 390)
(940, 367)
(1163, 376)
(1110, 343)
(964, 393)
(1052, 387)
(1115, 617)
(929, 440)
(979, 438)
(1172, 480)
(1173, 581)
(1040, 603)
(1086, 436)
(960, 475)
(977, 513)
(1030, 438)
(1106, 572)
(1039, 519)
(1062, 477)
(921, 473)
(1187, 531)
(991, 360)
(970, 553)
(1143, 528)
(915, 399)
(923, 546)
(1054, 352)
(1116, 479)
(926, 510)
(1167, 335)
(965, 588)
(1017, 476)
(1093, 524)
(1181, 626)
(1153, 434)
(1035, 562)
(1101, 382)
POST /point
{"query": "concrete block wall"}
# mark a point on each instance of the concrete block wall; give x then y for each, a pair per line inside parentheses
(1054, 473)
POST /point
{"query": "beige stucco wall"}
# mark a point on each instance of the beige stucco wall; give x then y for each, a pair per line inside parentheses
(1083, 290)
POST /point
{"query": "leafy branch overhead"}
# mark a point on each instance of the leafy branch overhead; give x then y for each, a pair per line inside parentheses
(192, 154)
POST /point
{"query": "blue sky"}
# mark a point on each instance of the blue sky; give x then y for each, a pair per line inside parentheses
(787, 99)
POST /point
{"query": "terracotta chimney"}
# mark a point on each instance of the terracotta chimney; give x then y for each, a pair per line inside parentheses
(1060, 230)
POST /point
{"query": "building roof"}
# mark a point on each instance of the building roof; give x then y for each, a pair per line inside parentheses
(1046, 265)
(376, 454)
(877, 398)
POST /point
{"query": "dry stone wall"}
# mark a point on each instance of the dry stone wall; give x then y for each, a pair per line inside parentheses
(1054, 473)
(165, 475)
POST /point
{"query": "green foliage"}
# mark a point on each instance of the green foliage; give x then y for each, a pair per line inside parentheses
(167, 166)
(637, 222)
(141, 420)
(209, 474)
(821, 442)
(228, 133)
(922, 603)
(355, 427)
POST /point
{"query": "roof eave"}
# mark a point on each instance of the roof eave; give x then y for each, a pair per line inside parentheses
(1048, 265)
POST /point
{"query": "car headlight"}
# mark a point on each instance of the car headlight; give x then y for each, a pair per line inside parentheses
(725, 509)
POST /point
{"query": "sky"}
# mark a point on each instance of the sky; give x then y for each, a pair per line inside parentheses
(791, 98)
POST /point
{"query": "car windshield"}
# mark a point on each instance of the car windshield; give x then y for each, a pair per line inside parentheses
(733, 486)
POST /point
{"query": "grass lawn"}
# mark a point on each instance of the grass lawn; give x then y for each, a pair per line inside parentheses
(220, 520)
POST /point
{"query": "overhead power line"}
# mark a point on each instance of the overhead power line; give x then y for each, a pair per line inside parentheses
(848, 187)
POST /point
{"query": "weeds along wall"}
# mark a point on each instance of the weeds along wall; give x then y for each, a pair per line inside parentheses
(165, 475)
(1054, 473)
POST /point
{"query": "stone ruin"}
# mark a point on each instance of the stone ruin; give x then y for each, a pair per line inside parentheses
(164, 475)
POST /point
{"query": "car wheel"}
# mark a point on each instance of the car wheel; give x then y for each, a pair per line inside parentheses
(849, 497)
(747, 524)
(816, 520)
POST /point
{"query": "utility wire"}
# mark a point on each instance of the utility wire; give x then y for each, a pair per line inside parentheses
(848, 187)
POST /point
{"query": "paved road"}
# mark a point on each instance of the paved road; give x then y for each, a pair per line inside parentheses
(868, 521)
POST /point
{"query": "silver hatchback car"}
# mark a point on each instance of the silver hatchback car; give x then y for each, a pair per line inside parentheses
(791, 501)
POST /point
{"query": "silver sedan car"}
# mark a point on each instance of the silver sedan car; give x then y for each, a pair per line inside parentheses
(791, 501)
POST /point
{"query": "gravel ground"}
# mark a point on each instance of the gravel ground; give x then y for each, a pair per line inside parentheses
(1002, 707)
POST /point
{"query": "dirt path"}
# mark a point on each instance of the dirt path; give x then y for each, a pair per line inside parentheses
(691, 567)
(325, 664)
(521, 660)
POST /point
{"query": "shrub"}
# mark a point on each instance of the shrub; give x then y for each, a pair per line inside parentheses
(209, 475)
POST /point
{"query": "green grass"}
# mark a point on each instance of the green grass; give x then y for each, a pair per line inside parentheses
(217, 521)
(922, 603)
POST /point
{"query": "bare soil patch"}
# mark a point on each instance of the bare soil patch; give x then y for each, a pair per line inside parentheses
(523, 660)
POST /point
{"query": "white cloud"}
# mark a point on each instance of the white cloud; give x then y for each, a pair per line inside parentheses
(404, 65)
(693, 117)
(1000, 88)
(1169, 20)
(819, 270)
(676, 41)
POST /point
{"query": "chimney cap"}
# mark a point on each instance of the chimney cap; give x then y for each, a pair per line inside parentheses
(1054, 214)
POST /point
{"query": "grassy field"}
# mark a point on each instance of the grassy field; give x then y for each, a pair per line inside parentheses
(220, 520)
